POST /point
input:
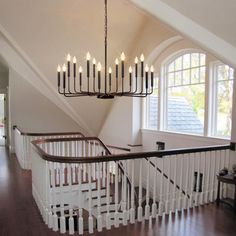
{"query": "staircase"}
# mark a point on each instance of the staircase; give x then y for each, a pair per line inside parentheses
(79, 185)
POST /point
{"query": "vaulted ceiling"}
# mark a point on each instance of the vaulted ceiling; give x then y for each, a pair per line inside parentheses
(217, 16)
(46, 31)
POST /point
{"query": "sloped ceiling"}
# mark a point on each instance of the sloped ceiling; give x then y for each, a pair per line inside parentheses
(210, 24)
(218, 16)
(47, 30)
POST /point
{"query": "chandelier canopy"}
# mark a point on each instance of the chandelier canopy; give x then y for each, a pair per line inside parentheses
(137, 82)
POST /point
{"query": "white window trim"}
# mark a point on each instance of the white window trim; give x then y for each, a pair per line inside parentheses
(163, 99)
(210, 117)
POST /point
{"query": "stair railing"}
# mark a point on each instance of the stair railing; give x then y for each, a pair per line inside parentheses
(23, 141)
(80, 189)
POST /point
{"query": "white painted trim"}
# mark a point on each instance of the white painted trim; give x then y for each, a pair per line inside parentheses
(22, 64)
(161, 47)
(150, 60)
(198, 34)
(185, 135)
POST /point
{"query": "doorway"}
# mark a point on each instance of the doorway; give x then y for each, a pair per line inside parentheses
(2, 119)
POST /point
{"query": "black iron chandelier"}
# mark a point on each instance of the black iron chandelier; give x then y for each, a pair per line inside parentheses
(72, 84)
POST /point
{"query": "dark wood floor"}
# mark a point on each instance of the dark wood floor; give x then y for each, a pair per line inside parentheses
(19, 215)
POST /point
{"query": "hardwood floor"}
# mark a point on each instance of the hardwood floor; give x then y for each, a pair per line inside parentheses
(19, 215)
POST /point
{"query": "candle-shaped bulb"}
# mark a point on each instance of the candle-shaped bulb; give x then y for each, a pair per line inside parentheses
(117, 61)
(136, 60)
(58, 68)
(68, 57)
(99, 66)
(94, 61)
(110, 70)
(64, 67)
(80, 69)
(142, 58)
(146, 68)
(122, 57)
(88, 57)
(130, 70)
(74, 60)
(152, 69)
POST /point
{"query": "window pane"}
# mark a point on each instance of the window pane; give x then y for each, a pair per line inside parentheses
(185, 109)
(178, 78)
(171, 67)
(224, 107)
(186, 77)
(202, 59)
(202, 74)
(186, 61)
(195, 76)
(153, 112)
(171, 79)
(195, 59)
(178, 63)
(152, 116)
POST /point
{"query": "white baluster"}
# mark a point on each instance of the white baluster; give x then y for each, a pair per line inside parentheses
(147, 207)
(192, 174)
(90, 219)
(161, 203)
(132, 210)
(108, 218)
(167, 203)
(81, 221)
(140, 196)
(94, 164)
(116, 198)
(52, 192)
(212, 195)
(125, 194)
(99, 218)
(154, 205)
(71, 219)
(103, 172)
(62, 218)
(185, 202)
(55, 218)
(181, 183)
(47, 210)
(207, 186)
(173, 207)
(84, 165)
(198, 179)
(203, 193)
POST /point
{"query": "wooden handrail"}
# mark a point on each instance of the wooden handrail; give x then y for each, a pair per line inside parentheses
(117, 157)
(15, 127)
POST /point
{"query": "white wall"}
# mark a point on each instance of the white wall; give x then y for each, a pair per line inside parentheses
(3, 79)
(175, 140)
(33, 112)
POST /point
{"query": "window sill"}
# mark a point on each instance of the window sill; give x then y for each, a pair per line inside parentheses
(186, 135)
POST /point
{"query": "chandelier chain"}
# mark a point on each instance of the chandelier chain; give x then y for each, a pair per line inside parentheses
(105, 28)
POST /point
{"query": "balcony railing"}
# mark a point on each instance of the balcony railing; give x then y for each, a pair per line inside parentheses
(23, 141)
(79, 185)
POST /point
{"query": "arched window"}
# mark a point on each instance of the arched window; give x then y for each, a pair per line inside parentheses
(185, 93)
(180, 103)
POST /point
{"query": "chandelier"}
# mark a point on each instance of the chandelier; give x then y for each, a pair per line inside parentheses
(73, 82)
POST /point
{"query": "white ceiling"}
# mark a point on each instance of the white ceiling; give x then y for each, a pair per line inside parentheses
(47, 30)
(218, 16)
